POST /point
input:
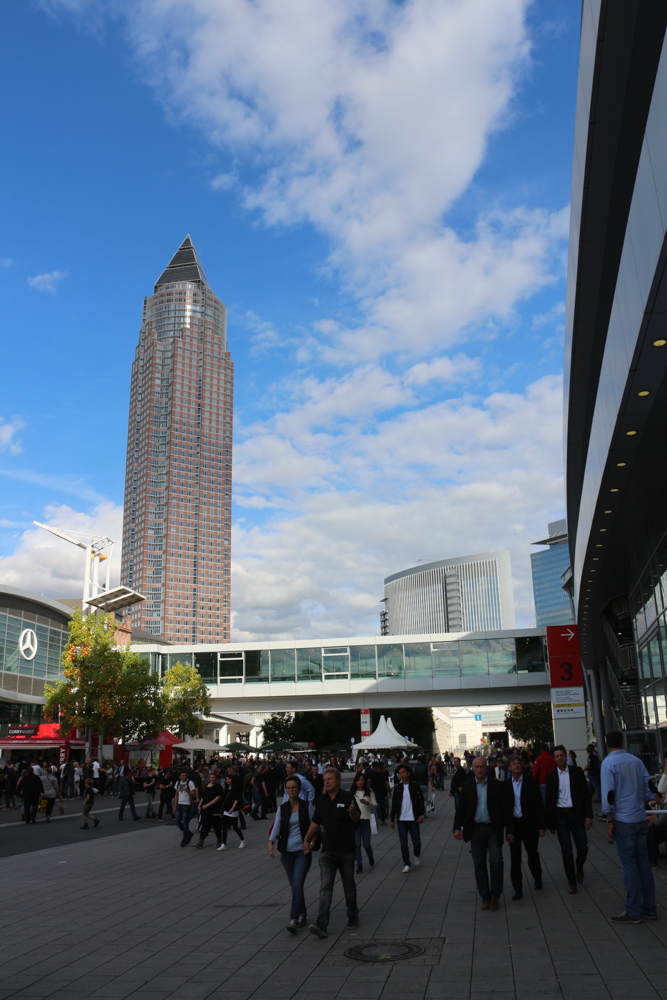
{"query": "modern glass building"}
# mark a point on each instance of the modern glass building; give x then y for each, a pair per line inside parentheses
(616, 365)
(468, 593)
(552, 604)
(177, 514)
(33, 634)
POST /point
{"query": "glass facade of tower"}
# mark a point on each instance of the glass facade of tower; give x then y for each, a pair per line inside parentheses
(552, 604)
(177, 514)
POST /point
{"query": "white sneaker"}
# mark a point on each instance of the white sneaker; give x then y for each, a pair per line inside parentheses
(416, 862)
(223, 847)
(406, 869)
(242, 844)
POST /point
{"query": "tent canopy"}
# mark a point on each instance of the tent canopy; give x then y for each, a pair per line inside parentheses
(238, 748)
(281, 745)
(385, 737)
(197, 745)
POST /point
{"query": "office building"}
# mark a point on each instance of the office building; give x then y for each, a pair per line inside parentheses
(465, 594)
(552, 603)
(616, 367)
(177, 515)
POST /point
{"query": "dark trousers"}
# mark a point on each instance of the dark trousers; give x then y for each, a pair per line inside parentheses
(330, 863)
(126, 800)
(166, 799)
(410, 827)
(296, 865)
(182, 818)
(230, 822)
(526, 834)
(260, 804)
(569, 826)
(484, 840)
(656, 835)
(382, 807)
(208, 820)
(30, 809)
(49, 807)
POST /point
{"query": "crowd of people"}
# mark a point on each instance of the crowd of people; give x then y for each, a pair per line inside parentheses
(500, 797)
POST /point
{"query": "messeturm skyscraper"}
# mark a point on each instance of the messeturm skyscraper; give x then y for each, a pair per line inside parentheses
(177, 514)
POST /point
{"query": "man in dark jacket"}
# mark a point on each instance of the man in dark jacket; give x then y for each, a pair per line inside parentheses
(126, 790)
(459, 779)
(569, 813)
(30, 787)
(407, 806)
(524, 799)
(481, 817)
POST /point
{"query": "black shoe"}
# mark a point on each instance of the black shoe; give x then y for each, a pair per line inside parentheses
(371, 861)
(625, 918)
(188, 837)
(96, 823)
(538, 883)
(649, 916)
(183, 843)
(317, 930)
(352, 923)
(301, 922)
(518, 894)
(359, 869)
(199, 845)
(84, 827)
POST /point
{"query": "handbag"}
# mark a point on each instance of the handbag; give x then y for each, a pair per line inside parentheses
(374, 826)
(61, 806)
(42, 804)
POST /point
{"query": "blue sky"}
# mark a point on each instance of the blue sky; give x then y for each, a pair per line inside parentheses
(379, 193)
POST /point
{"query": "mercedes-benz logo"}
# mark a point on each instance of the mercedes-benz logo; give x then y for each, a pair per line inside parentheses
(28, 644)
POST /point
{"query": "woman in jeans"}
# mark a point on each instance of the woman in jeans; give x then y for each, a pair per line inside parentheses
(288, 832)
(366, 802)
(50, 790)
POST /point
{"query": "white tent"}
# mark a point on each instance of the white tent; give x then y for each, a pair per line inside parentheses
(196, 745)
(385, 737)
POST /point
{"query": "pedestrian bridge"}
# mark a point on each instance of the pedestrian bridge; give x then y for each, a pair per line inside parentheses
(452, 669)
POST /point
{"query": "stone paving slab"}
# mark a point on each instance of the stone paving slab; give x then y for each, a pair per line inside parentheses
(137, 917)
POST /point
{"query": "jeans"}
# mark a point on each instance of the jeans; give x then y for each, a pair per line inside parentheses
(182, 818)
(568, 823)
(296, 865)
(124, 801)
(483, 839)
(69, 788)
(595, 785)
(527, 835)
(409, 827)
(362, 833)
(150, 799)
(261, 804)
(330, 863)
(632, 853)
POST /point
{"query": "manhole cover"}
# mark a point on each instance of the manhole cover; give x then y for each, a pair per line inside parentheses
(384, 951)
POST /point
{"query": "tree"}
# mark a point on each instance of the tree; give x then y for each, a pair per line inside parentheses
(278, 726)
(111, 690)
(530, 723)
(186, 699)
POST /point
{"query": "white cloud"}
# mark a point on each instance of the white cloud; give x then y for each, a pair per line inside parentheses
(222, 182)
(452, 478)
(6, 262)
(51, 566)
(47, 282)
(8, 431)
(444, 369)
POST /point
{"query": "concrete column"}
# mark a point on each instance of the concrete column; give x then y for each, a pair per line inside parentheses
(605, 691)
(596, 708)
(223, 737)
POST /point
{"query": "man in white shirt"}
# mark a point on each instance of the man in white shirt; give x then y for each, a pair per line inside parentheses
(407, 804)
(569, 813)
(184, 794)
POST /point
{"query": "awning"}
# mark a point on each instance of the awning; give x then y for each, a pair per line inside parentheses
(35, 742)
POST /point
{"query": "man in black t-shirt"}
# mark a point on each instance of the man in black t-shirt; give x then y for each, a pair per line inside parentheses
(337, 813)
(378, 777)
(210, 807)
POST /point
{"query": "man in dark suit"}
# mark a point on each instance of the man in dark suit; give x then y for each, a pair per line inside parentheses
(481, 816)
(459, 779)
(569, 813)
(524, 799)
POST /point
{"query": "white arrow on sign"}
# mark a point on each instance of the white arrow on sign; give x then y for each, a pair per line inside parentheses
(569, 634)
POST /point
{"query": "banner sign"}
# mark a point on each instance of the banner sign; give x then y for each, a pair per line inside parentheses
(22, 730)
(365, 723)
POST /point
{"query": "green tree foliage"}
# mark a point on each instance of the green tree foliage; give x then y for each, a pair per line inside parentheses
(278, 726)
(186, 698)
(109, 689)
(530, 723)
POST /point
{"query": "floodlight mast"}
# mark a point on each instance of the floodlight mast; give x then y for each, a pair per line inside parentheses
(96, 552)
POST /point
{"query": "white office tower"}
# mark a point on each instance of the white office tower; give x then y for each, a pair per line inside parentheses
(467, 594)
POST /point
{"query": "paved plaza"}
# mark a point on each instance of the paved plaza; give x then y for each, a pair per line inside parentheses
(136, 916)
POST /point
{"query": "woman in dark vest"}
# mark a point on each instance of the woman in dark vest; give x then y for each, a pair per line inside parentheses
(288, 832)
